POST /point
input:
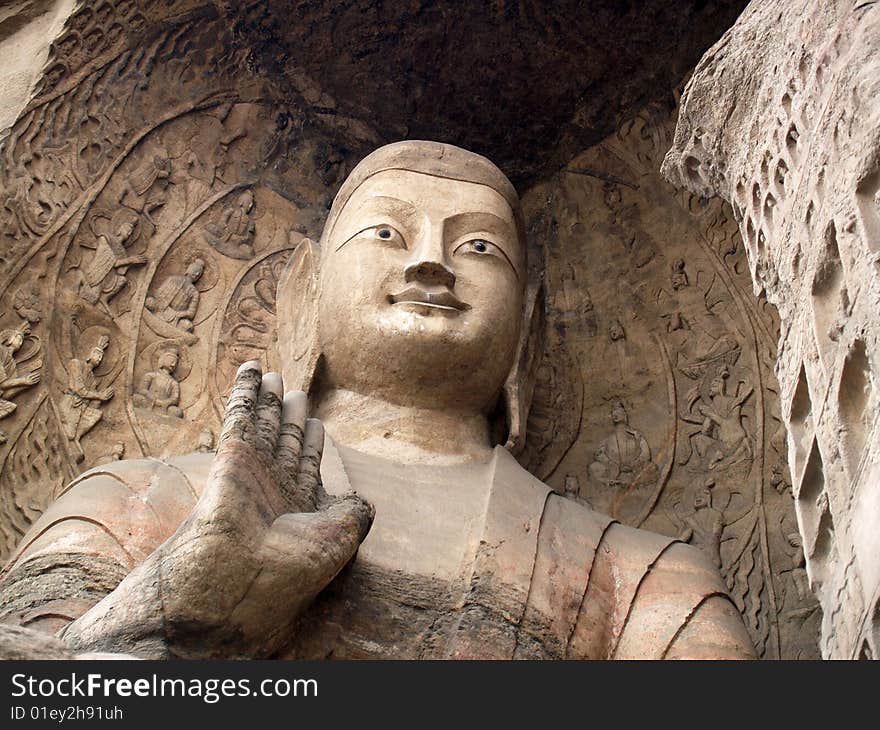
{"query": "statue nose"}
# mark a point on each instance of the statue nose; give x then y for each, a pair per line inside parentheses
(432, 273)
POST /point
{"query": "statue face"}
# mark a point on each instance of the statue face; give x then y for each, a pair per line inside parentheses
(195, 270)
(16, 341)
(125, 230)
(618, 414)
(168, 361)
(96, 356)
(422, 287)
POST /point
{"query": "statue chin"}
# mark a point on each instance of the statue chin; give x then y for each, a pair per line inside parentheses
(426, 361)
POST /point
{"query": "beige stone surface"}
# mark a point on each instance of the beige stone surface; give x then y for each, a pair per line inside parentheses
(781, 119)
(124, 173)
(413, 331)
(27, 29)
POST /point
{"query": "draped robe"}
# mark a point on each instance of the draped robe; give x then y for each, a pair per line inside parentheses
(528, 574)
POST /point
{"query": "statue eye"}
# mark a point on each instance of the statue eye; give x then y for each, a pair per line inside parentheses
(387, 233)
(478, 246)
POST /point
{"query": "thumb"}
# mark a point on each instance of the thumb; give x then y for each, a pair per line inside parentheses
(312, 547)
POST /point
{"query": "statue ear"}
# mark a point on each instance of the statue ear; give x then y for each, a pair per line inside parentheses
(520, 384)
(296, 309)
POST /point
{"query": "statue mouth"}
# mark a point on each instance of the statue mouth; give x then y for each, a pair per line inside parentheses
(442, 300)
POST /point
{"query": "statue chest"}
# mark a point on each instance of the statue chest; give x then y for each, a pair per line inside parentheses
(445, 571)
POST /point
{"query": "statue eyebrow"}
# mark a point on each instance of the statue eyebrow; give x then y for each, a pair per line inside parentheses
(496, 221)
(409, 210)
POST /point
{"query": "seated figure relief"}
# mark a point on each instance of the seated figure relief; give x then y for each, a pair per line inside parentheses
(410, 531)
(159, 390)
(232, 234)
(177, 299)
(624, 458)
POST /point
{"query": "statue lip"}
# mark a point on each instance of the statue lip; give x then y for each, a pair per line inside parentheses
(443, 299)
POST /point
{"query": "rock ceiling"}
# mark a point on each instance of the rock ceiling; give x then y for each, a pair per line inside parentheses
(525, 83)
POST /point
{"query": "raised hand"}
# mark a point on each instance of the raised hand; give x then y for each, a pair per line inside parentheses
(261, 542)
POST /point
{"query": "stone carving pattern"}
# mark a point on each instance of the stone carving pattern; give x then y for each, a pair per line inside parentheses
(129, 168)
(800, 170)
(679, 430)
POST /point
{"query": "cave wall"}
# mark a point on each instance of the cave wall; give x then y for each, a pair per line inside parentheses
(781, 119)
(652, 322)
(172, 144)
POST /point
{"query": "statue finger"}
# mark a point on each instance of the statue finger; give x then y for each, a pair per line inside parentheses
(308, 478)
(238, 420)
(268, 414)
(294, 409)
(324, 541)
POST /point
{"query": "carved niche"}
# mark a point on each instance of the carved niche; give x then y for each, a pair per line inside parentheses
(153, 190)
(657, 401)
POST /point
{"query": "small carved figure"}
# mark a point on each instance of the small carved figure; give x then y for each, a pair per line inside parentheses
(206, 441)
(616, 331)
(147, 187)
(679, 275)
(11, 382)
(104, 276)
(177, 300)
(705, 525)
(721, 440)
(80, 405)
(159, 389)
(233, 234)
(116, 454)
(624, 458)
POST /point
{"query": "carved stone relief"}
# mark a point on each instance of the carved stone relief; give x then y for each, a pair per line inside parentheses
(145, 206)
(148, 208)
(678, 426)
(790, 139)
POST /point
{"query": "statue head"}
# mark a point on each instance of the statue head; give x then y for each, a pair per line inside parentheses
(14, 338)
(195, 270)
(96, 354)
(123, 224)
(246, 201)
(206, 441)
(616, 331)
(717, 386)
(618, 412)
(420, 293)
(702, 498)
(168, 359)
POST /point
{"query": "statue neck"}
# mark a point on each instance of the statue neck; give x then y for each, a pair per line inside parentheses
(404, 434)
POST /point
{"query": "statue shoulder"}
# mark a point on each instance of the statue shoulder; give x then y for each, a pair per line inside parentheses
(646, 596)
(101, 526)
(127, 506)
(676, 602)
(187, 472)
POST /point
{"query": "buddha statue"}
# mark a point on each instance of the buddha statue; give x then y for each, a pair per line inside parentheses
(409, 335)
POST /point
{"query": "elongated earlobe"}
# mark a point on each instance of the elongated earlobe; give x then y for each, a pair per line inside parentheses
(296, 304)
(520, 384)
